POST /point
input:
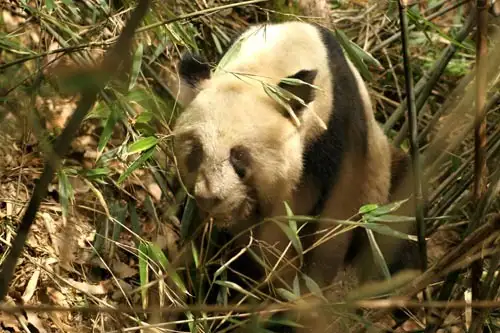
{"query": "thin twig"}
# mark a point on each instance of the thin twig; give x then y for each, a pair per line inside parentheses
(89, 96)
(387, 304)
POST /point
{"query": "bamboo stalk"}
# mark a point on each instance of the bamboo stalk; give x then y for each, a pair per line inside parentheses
(479, 138)
(415, 154)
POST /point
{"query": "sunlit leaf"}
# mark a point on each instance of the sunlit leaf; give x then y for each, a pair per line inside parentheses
(143, 270)
(313, 286)
(157, 254)
(286, 295)
(142, 144)
(113, 118)
(352, 54)
(137, 164)
(234, 286)
(65, 191)
(136, 66)
(293, 237)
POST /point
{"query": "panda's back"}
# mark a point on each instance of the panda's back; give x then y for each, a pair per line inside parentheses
(278, 50)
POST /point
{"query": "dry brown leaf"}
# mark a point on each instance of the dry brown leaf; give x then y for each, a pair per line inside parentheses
(34, 320)
(92, 289)
(56, 297)
(155, 191)
(9, 322)
(31, 286)
(122, 270)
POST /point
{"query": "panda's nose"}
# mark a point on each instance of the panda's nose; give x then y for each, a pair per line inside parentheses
(206, 201)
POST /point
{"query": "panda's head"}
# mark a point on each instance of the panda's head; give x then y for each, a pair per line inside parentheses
(237, 150)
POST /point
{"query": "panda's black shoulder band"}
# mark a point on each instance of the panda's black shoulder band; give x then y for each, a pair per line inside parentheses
(193, 68)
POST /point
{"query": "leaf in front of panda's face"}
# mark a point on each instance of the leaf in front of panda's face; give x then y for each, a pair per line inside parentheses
(272, 92)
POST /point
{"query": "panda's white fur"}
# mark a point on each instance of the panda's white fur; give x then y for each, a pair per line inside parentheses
(232, 124)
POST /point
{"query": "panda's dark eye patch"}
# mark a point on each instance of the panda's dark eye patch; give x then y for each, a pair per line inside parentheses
(195, 156)
(240, 159)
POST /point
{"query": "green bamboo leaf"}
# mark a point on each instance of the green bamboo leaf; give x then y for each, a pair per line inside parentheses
(217, 43)
(137, 163)
(234, 286)
(65, 192)
(366, 56)
(196, 255)
(144, 117)
(50, 5)
(389, 208)
(258, 259)
(136, 66)
(142, 144)
(143, 270)
(389, 218)
(157, 254)
(378, 256)
(230, 54)
(292, 237)
(162, 45)
(353, 56)
(96, 173)
(313, 286)
(273, 93)
(291, 222)
(297, 82)
(388, 231)
(113, 118)
(367, 208)
(296, 285)
(286, 295)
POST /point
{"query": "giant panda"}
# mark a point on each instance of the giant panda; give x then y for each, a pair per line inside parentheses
(243, 154)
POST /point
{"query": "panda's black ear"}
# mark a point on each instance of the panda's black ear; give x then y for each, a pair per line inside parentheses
(193, 69)
(301, 90)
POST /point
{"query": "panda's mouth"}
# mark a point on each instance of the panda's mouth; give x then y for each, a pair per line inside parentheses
(241, 216)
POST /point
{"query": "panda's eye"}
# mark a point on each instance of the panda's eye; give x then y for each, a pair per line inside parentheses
(240, 160)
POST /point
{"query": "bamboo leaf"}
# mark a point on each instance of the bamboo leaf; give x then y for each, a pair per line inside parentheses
(313, 286)
(142, 144)
(136, 66)
(113, 118)
(286, 295)
(296, 285)
(353, 56)
(293, 237)
(234, 286)
(65, 191)
(386, 209)
(388, 231)
(378, 256)
(367, 208)
(137, 163)
(157, 254)
(143, 271)
(291, 222)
